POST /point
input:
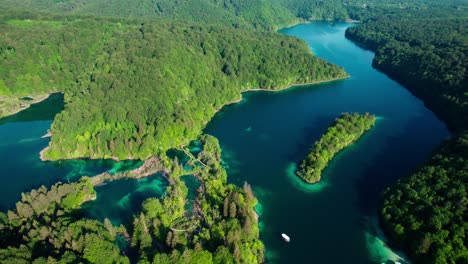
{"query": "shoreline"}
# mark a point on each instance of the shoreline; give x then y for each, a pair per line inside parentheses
(47, 135)
(37, 100)
(41, 153)
(280, 89)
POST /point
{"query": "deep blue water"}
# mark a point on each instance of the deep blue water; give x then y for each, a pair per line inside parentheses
(265, 135)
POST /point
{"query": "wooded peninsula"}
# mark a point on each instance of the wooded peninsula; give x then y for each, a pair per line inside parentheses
(47, 225)
(142, 77)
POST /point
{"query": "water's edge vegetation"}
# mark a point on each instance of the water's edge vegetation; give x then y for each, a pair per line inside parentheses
(221, 225)
(426, 213)
(140, 87)
(345, 130)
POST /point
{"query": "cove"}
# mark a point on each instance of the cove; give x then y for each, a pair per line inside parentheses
(20, 144)
(267, 134)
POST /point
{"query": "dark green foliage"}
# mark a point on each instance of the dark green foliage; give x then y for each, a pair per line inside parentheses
(427, 213)
(43, 228)
(317, 9)
(427, 56)
(345, 130)
(367, 10)
(221, 228)
(265, 15)
(132, 90)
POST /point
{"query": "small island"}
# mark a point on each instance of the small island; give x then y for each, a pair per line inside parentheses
(346, 129)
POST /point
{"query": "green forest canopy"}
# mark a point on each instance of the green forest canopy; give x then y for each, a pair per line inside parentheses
(82, 67)
(47, 226)
(427, 212)
(346, 129)
(136, 89)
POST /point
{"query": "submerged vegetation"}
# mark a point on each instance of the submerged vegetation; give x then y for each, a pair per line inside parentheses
(345, 130)
(221, 227)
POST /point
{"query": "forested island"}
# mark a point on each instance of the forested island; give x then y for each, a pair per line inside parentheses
(47, 225)
(345, 130)
(140, 78)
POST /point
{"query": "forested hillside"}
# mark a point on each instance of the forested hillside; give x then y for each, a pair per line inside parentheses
(47, 225)
(136, 89)
(253, 14)
(266, 15)
(140, 77)
(426, 213)
(371, 10)
(428, 56)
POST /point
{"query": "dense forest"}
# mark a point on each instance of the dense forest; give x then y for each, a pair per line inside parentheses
(139, 78)
(426, 213)
(345, 130)
(427, 56)
(141, 88)
(47, 226)
(247, 14)
(371, 10)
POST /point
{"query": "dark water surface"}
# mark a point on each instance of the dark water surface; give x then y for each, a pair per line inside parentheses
(264, 136)
(20, 144)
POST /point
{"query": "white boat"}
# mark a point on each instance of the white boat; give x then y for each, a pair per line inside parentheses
(285, 237)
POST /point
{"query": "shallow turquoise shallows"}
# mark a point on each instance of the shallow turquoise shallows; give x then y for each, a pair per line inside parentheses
(267, 134)
(20, 143)
(263, 138)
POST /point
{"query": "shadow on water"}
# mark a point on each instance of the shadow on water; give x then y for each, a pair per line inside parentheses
(45, 110)
(394, 160)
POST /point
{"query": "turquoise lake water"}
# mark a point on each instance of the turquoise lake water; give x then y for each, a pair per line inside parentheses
(263, 138)
(20, 143)
(267, 134)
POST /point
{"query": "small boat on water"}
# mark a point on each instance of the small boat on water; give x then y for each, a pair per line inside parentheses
(285, 237)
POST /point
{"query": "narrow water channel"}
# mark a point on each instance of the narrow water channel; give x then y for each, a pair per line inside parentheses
(265, 135)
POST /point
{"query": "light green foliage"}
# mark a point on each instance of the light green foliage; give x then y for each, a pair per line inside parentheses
(346, 129)
(44, 229)
(317, 9)
(158, 91)
(249, 14)
(215, 232)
